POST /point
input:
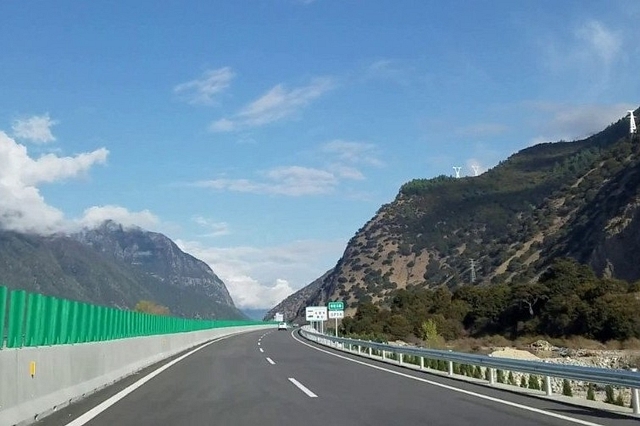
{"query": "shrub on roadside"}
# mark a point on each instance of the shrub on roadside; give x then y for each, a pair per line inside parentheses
(591, 393)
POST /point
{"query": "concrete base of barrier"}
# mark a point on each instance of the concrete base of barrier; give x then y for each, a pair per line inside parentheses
(34, 382)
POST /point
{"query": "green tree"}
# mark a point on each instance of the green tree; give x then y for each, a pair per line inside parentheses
(591, 394)
(430, 332)
(619, 401)
(615, 317)
(477, 372)
(398, 327)
(566, 276)
(609, 395)
(529, 296)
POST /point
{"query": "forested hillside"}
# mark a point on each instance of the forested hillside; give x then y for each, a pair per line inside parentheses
(494, 237)
(568, 300)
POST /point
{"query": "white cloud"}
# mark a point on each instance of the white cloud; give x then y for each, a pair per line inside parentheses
(483, 130)
(22, 207)
(263, 277)
(222, 125)
(214, 229)
(570, 122)
(586, 57)
(292, 181)
(387, 69)
(277, 104)
(203, 90)
(600, 41)
(299, 180)
(346, 172)
(51, 168)
(36, 129)
(95, 216)
(353, 152)
(247, 292)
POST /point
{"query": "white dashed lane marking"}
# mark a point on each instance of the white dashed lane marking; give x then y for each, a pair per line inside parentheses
(303, 388)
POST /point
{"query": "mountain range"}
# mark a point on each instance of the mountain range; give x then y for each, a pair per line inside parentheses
(579, 200)
(115, 266)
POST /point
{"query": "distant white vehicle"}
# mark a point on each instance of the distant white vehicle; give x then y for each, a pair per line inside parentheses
(283, 326)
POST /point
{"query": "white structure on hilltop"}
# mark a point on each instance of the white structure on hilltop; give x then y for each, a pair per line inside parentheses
(476, 169)
(632, 122)
(457, 170)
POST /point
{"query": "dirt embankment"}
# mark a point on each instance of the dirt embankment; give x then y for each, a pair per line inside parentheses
(543, 351)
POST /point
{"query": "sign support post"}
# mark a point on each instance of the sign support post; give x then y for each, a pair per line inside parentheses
(316, 315)
(336, 310)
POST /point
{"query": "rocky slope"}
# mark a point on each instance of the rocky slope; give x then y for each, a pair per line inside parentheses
(575, 199)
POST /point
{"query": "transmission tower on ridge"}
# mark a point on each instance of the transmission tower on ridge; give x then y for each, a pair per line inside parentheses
(473, 271)
(476, 169)
(457, 170)
(632, 123)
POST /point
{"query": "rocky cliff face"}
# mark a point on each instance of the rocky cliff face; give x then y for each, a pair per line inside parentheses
(158, 257)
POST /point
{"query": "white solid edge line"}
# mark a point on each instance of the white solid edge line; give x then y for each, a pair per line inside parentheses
(466, 392)
(303, 388)
(270, 361)
(89, 415)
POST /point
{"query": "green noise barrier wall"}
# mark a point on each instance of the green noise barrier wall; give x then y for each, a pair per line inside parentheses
(31, 319)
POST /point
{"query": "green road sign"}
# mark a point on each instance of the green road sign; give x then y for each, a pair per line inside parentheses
(336, 306)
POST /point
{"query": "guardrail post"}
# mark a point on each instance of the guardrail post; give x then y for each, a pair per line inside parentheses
(492, 376)
(421, 363)
(359, 349)
(450, 367)
(400, 358)
(547, 386)
(370, 352)
(384, 354)
(635, 398)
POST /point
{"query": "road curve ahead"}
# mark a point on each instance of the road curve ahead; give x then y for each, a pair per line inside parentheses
(275, 378)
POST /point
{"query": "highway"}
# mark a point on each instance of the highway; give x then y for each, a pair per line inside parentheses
(276, 378)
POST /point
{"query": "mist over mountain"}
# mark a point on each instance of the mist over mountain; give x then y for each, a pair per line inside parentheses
(255, 314)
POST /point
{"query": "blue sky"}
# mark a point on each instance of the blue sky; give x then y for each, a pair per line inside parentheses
(261, 135)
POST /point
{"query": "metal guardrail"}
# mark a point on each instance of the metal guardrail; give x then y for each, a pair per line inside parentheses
(623, 378)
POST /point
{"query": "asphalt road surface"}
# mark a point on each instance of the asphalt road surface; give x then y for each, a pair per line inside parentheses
(276, 378)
